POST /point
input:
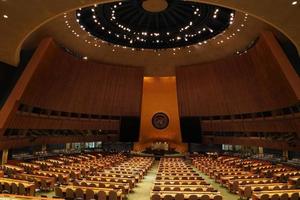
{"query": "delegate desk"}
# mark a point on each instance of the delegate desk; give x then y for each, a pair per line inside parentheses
(225, 179)
(29, 186)
(294, 180)
(167, 178)
(118, 175)
(21, 197)
(119, 192)
(234, 183)
(279, 175)
(30, 166)
(256, 195)
(64, 176)
(73, 173)
(246, 190)
(166, 187)
(110, 179)
(186, 194)
(124, 186)
(13, 168)
(182, 182)
(50, 181)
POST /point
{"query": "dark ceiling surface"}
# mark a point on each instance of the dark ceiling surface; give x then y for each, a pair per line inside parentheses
(128, 23)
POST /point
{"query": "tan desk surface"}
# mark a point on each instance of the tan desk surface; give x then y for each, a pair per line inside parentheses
(294, 178)
(117, 175)
(185, 193)
(10, 181)
(55, 161)
(179, 178)
(116, 178)
(125, 185)
(261, 185)
(49, 164)
(182, 187)
(19, 169)
(95, 189)
(34, 166)
(50, 173)
(63, 170)
(250, 179)
(21, 197)
(287, 173)
(38, 177)
(182, 182)
(258, 194)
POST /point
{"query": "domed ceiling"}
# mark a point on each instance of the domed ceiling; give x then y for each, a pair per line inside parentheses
(157, 35)
(154, 24)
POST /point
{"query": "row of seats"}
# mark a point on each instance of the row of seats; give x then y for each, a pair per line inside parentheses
(177, 180)
(249, 178)
(86, 176)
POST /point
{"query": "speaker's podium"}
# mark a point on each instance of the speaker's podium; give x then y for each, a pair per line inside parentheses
(160, 149)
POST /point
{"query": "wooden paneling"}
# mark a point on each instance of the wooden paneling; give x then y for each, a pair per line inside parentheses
(37, 122)
(23, 142)
(65, 83)
(159, 95)
(55, 80)
(274, 124)
(247, 83)
(11, 105)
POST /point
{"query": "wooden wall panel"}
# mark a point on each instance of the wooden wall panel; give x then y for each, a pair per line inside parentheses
(159, 95)
(11, 104)
(251, 82)
(253, 125)
(65, 83)
(37, 122)
(23, 142)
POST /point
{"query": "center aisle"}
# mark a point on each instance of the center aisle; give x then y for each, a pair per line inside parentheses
(143, 189)
(224, 192)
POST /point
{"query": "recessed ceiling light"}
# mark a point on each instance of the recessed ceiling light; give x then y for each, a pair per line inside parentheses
(294, 3)
(85, 57)
(5, 16)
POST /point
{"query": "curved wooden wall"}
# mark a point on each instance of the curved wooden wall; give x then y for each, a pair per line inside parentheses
(56, 80)
(36, 122)
(257, 81)
(271, 124)
(66, 83)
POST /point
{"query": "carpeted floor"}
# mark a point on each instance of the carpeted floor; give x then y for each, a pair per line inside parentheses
(143, 188)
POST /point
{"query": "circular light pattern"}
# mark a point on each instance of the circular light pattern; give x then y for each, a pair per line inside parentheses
(128, 24)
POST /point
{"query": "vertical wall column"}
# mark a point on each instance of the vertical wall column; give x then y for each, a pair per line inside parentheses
(68, 146)
(4, 156)
(44, 147)
(285, 155)
(260, 150)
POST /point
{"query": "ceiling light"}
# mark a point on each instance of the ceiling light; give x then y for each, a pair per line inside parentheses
(5, 16)
(294, 3)
(85, 57)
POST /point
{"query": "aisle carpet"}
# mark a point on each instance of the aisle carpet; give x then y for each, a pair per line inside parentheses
(143, 188)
